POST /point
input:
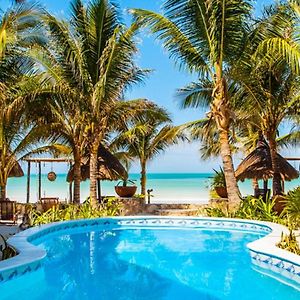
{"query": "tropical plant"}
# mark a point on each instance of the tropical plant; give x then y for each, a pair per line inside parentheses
(269, 85)
(250, 208)
(19, 29)
(205, 37)
(218, 179)
(88, 65)
(109, 207)
(262, 92)
(289, 242)
(146, 136)
(126, 182)
(292, 206)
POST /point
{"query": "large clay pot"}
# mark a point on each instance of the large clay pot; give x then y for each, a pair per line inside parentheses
(221, 191)
(125, 191)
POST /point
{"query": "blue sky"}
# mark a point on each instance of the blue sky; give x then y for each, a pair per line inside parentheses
(160, 87)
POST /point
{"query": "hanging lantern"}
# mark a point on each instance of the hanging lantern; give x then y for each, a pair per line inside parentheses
(51, 176)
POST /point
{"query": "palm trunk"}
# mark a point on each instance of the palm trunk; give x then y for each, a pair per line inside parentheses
(277, 187)
(255, 186)
(77, 176)
(3, 192)
(93, 175)
(233, 192)
(222, 114)
(143, 178)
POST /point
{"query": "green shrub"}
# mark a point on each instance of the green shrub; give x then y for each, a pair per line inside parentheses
(292, 206)
(250, 208)
(289, 242)
(110, 207)
(257, 209)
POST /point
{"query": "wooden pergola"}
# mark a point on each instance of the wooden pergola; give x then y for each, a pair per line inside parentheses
(39, 161)
(293, 158)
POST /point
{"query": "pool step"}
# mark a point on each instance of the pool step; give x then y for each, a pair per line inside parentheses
(177, 212)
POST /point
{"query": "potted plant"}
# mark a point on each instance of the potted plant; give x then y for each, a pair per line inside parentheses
(219, 183)
(127, 189)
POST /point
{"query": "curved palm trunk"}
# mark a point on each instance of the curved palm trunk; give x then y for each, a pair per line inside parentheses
(77, 176)
(222, 115)
(143, 178)
(233, 191)
(277, 187)
(93, 176)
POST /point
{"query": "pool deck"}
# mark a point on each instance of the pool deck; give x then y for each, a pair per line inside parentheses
(8, 230)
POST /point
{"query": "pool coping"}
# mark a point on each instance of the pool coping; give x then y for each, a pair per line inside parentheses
(264, 252)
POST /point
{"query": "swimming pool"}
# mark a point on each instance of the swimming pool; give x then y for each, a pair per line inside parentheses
(147, 258)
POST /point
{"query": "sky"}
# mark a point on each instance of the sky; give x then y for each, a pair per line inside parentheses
(160, 87)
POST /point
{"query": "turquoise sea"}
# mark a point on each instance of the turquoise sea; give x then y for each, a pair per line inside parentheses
(167, 187)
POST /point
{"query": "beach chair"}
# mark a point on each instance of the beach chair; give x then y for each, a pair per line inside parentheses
(8, 211)
(48, 203)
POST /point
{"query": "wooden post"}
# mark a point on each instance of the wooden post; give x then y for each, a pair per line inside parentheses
(99, 190)
(40, 181)
(266, 185)
(71, 192)
(28, 182)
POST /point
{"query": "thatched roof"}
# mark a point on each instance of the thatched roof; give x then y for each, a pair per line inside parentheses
(16, 171)
(258, 165)
(109, 167)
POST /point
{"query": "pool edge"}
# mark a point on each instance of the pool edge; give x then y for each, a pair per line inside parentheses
(264, 252)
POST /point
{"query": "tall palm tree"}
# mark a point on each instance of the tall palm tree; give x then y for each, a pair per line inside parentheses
(88, 63)
(146, 136)
(268, 85)
(206, 37)
(261, 90)
(19, 30)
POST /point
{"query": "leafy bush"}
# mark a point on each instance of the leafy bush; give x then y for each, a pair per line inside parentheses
(218, 179)
(111, 207)
(292, 206)
(250, 208)
(257, 209)
(289, 243)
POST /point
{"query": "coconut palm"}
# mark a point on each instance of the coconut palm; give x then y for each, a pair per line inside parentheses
(88, 65)
(261, 90)
(19, 29)
(206, 37)
(146, 136)
(268, 85)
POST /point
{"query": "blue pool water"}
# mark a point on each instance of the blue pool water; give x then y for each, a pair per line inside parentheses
(148, 264)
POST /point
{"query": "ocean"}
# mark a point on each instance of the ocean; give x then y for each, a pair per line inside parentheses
(167, 187)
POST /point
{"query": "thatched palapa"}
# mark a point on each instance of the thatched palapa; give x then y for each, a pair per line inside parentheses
(109, 167)
(258, 165)
(16, 171)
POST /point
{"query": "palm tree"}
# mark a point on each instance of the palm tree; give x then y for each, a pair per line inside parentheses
(88, 65)
(19, 29)
(261, 90)
(146, 136)
(206, 37)
(268, 86)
